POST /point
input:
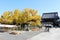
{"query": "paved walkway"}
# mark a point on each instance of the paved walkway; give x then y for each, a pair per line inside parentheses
(53, 34)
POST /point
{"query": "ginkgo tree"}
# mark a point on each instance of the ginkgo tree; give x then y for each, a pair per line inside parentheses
(18, 17)
(35, 17)
(5, 17)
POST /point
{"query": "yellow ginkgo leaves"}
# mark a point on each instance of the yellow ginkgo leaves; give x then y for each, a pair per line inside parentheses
(20, 17)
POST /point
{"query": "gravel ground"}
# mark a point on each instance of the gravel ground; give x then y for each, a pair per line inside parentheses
(23, 36)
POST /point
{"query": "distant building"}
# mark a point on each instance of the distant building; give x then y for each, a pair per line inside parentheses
(50, 19)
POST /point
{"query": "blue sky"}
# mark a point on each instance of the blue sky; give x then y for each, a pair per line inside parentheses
(42, 6)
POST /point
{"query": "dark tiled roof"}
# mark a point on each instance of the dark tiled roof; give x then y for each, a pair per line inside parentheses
(53, 15)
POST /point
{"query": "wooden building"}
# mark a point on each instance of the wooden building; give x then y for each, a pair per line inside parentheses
(49, 19)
